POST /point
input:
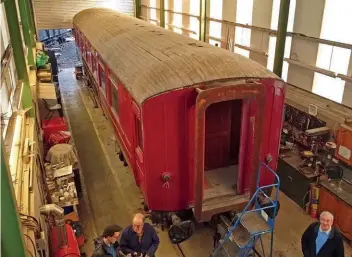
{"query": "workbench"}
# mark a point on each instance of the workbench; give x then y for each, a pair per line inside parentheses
(294, 181)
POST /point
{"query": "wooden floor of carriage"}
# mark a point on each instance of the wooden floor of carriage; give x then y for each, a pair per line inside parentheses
(110, 195)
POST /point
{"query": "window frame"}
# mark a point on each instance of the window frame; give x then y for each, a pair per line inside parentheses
(102, 79)
(139, 134)
(138, 130)
(333, 88)
(114, 85)
(94, 63)
(89, 55)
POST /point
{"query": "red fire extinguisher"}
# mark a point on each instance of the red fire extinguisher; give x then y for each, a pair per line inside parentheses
(78, 229)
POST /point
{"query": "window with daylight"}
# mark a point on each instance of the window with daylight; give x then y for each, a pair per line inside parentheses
(167, 14)
(335, 27)
(244, 16)
(6, 94)
(112, 4)
(194, 21)
(152, 12)
(177, 18)
(7, 88)
(272, 41)
(215, 28)
(4, 30)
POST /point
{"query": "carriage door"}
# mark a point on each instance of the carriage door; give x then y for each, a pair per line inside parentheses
(138, 146)
(221, 146)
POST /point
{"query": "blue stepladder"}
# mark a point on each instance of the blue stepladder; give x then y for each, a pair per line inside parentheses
(243, 232)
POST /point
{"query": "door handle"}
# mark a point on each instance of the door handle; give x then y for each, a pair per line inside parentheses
(290, 178)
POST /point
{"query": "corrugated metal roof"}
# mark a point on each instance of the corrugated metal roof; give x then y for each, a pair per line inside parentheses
(150, 60)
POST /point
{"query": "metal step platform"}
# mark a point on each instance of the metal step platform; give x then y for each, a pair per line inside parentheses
(239, 236)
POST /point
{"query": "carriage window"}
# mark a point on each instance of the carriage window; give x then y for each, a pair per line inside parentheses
(94, 62)
(139, 133)
(115, 98)
(89, 56)
(102, 79)
(84, 51)
(113, 79)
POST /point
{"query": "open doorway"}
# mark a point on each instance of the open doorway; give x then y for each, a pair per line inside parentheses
(222, 145)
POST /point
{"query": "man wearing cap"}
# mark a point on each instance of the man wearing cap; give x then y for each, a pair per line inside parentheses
(107, 245)
(139, 239)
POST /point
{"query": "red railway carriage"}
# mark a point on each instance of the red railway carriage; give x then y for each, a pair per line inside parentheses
(193, 121)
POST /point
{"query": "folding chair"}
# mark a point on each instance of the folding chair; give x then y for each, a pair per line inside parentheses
(51, 109)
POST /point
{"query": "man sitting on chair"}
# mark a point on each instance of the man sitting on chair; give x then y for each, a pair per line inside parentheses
(139, 239)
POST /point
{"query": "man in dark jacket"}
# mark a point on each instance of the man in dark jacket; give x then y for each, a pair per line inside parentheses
(107, 245)
(321, 239)
(139, 239)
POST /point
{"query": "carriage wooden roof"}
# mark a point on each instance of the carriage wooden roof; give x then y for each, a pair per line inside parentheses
(150, 60)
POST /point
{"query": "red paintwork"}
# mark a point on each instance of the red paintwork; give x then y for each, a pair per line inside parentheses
(71, 250)
(168, 125)
(53, 125)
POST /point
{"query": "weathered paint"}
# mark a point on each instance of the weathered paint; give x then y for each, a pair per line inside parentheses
(173, 136)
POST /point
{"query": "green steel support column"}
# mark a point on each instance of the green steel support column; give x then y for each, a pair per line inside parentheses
(137, 8)
(29, 5)
(162, 13)
(31, 21)
(203, 21)
(11, 237)
(18, 53)
(281, 37)
(27, 33)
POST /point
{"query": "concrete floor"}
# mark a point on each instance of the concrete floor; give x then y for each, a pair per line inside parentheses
(111, 196)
